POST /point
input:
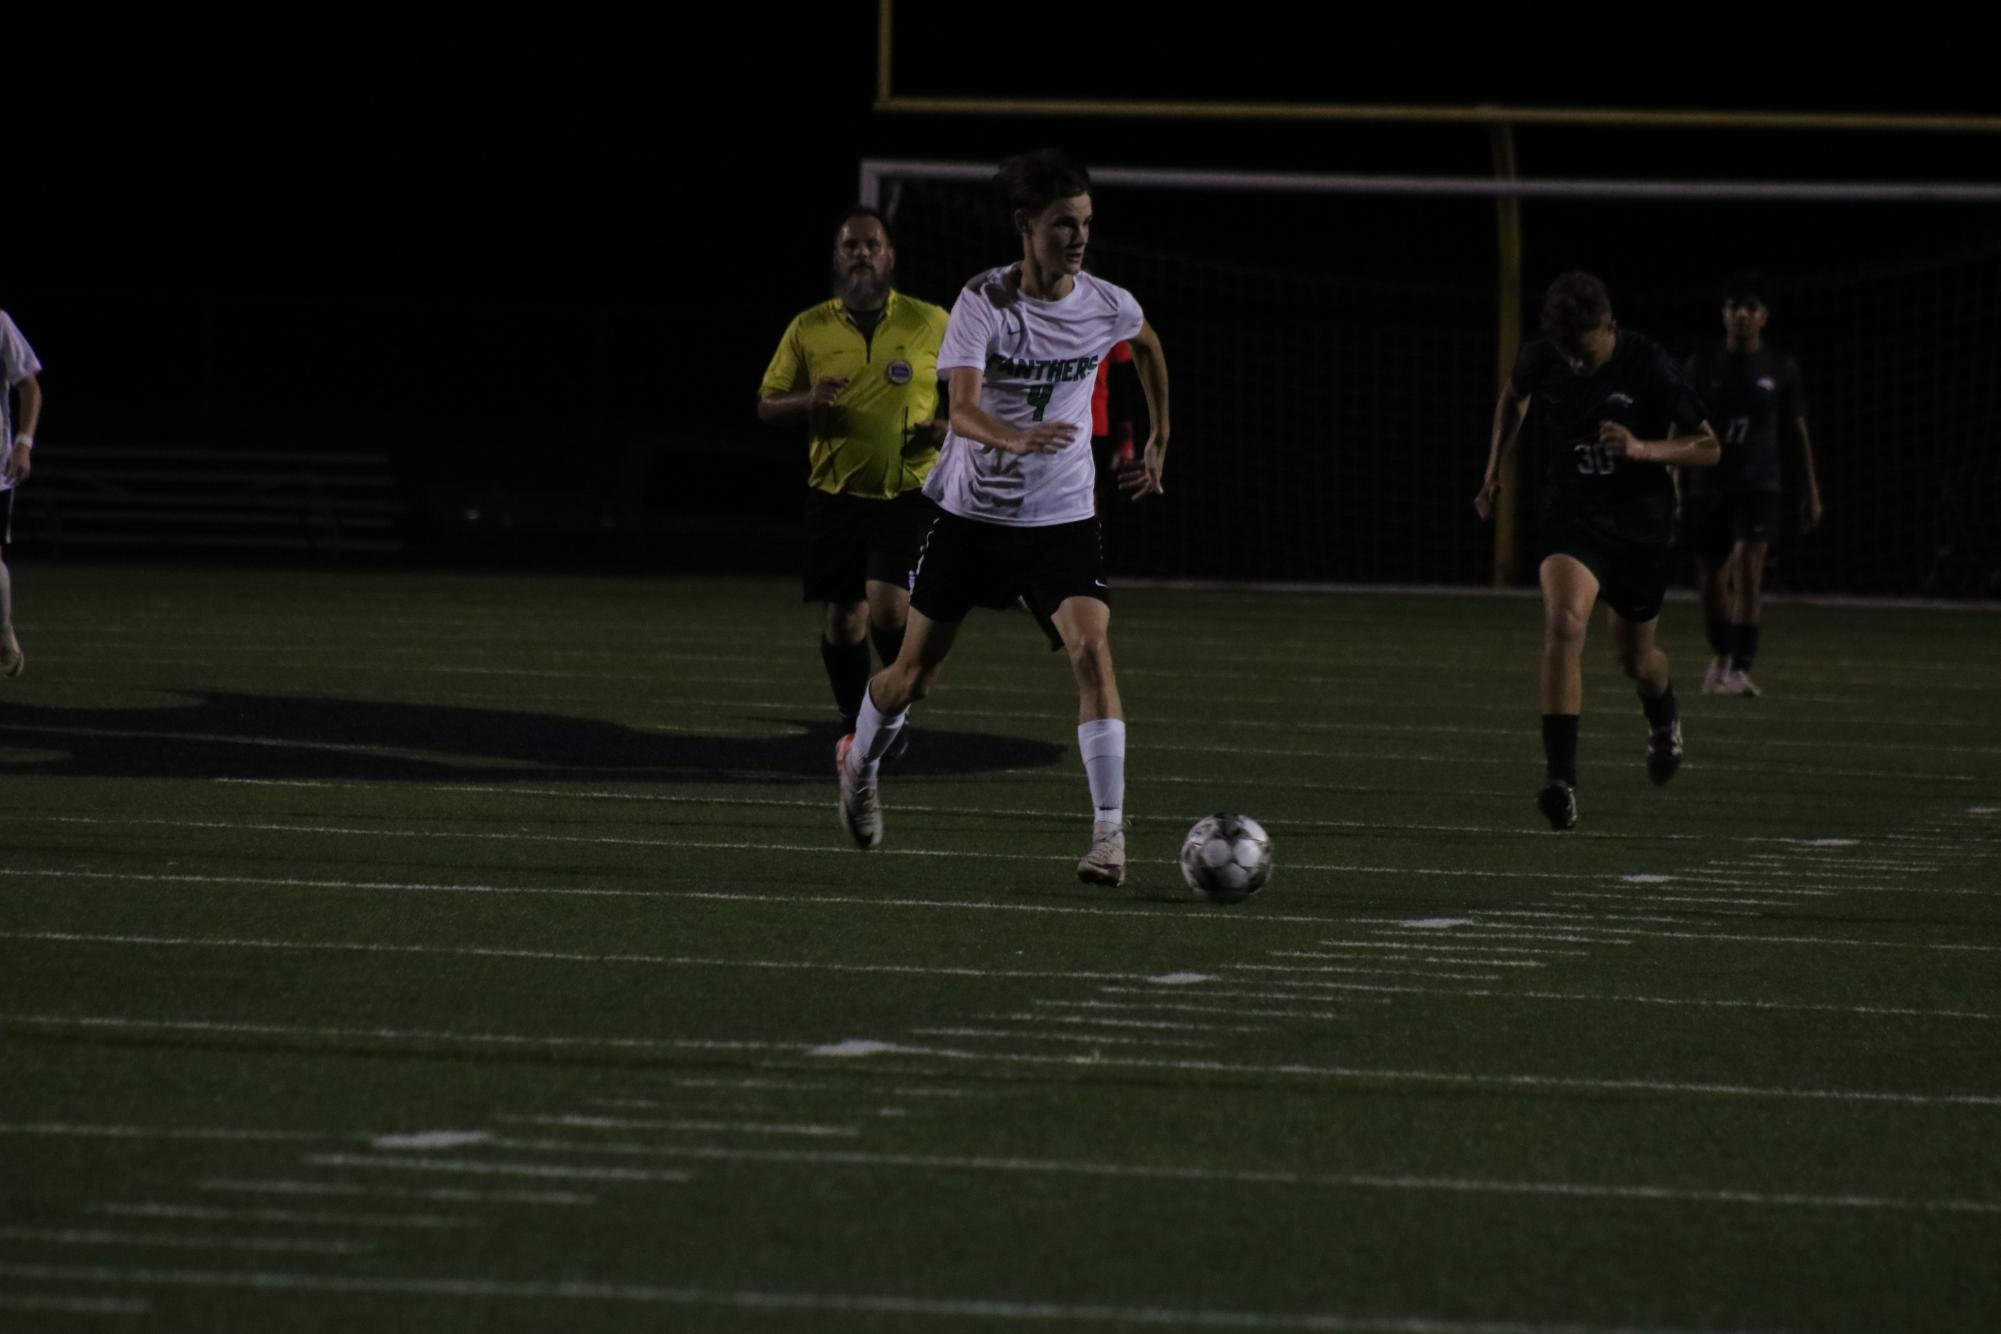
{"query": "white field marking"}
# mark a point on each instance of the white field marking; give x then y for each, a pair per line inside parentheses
(30, 1301)
(1594, 998)
(480, 1167)
(1180, 979)
(1701, 900)
(826, 848)
(1511, 829)
(1219, 1006)
(703, 1127)
(956, 1312)
(557, 956)
(431, 1139)
(1842, 941)
(1828, 842)
(1437, 923)
(1222, 1005)
(78, 1236)
(122, 1022)
(1498, 1083)
(631, 1104)
(853, 1048)
(819, 1085)
(1582, 917)
(1434, 943)
(707, 896)
(228, 1134)
(1084, 1039)
(1171, 1025)
(1796, 868)
(348, 1190)
(1460, 961)
(1252, 1176)
(1514, 933)
(1296, 971)
(1983, 810)
(213, 1214)
(1646, 878)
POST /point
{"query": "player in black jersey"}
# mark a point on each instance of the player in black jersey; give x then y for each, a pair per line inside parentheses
(1732, 518)
(1602, 403)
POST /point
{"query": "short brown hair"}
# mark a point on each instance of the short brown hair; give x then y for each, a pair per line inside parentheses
(1575, 304)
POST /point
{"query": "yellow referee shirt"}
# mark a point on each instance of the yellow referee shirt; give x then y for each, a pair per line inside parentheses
(857, 446)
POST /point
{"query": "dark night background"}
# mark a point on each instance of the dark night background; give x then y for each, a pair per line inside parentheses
(543, 268)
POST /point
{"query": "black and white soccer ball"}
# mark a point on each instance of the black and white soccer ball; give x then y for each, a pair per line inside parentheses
(1226, 858)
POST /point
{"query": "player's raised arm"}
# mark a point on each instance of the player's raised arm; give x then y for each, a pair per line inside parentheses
(1509, 410)
(1142, 476)
(972, 422)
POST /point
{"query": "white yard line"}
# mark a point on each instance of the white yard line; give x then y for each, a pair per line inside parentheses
(485, 1167)
(1177, 1172)
(214, 1214)
(184, 1242)
(687, 1126)
(953, 1312)
(439, 1194)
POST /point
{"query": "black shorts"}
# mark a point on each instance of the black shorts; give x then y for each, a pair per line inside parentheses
(851, 540)
(1713, 521)
(965, 564)
(1631, 568)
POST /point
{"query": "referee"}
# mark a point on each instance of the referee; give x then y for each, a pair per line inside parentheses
(860, 370)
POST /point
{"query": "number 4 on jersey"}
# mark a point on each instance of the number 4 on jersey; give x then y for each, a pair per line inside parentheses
(1039, 396)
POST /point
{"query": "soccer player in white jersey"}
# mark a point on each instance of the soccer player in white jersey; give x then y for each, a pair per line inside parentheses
(1014, 489)
(18, 368)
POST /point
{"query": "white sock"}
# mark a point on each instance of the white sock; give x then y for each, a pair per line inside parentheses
(874, 733)
(6, 597)
(1103, 743)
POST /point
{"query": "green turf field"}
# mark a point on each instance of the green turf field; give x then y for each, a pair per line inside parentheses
(450, 953)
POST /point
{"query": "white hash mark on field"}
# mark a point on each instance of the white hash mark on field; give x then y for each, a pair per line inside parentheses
(431, 1139)
(1437, 923)
(1180, 979)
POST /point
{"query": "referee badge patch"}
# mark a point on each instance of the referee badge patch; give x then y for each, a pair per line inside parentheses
(899, 371)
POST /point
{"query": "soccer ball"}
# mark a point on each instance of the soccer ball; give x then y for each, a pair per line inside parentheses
(1226, 858)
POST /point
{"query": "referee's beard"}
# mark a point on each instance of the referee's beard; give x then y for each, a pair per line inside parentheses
(860, 289)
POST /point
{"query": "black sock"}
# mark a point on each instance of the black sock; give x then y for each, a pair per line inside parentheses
(1718, 629)
(1743, 647)
(847, 673)
(1661, 709)
(888, 642)
(1559, 746)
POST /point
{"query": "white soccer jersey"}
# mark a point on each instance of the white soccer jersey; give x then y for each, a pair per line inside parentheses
(1040, 360)
(17, 363)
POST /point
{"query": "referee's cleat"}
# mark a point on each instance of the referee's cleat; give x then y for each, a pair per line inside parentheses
(861, 813)
(1664, 752)
(1105, 863)
(12, 660)
(1558, 804)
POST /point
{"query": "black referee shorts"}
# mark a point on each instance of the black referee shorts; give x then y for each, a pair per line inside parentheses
(965, 564)
(851, 540)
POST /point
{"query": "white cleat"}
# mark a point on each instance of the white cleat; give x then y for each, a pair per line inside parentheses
(1712, 678)
(1105, 863)
(861, 812)
(12, 660)
(1739, 684)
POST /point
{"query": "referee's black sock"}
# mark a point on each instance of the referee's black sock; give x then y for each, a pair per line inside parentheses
(848, 673)
(1661, 709)
(1559, 747)
(888, 641)
(1743, 647)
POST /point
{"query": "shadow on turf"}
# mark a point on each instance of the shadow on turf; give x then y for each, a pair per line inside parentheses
(224, 735)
